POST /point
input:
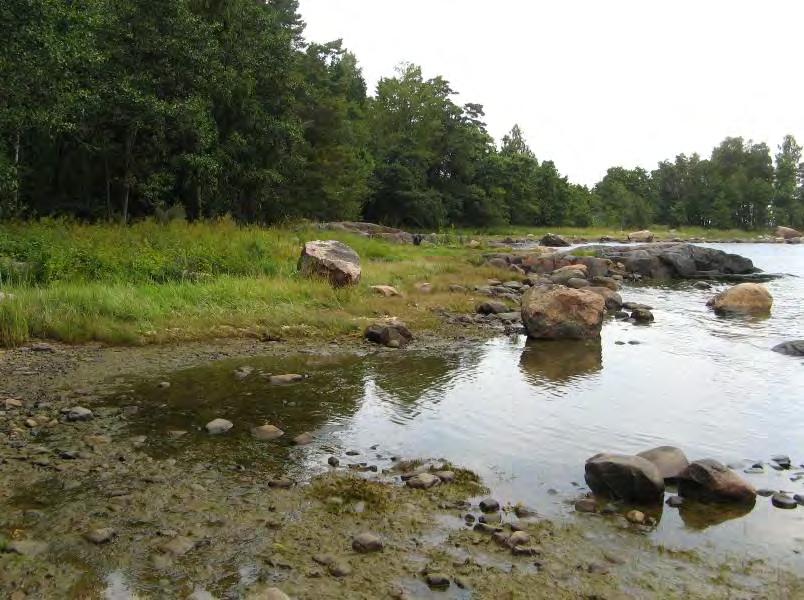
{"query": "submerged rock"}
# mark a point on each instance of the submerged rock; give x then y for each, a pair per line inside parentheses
(560, 312)
(794, 348)
(624, 477)
(709, 480)
(752, 298)
(642, 315)
(331, 260)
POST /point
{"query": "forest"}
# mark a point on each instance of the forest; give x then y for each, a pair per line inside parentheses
(116, 110)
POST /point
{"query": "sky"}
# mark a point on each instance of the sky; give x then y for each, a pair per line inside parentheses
(594, 83)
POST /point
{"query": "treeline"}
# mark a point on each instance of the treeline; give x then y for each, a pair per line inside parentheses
(121, 109)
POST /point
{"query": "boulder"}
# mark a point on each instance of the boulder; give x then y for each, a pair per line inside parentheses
(751, 298)
(331, 260)
(641, 236)
(642, 315)
(624, 477)
(558, 312)
(562, 276)
(794, 348)
(709, 480)
(787, 233)
(554, 241)
(393, 334)
(613, 300)
(577, 283)
(670, 461)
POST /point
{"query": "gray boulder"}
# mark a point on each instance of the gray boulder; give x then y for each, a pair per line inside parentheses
(393, 334)
(671, 461)
(331, 260)
(794, 348)
(709, 481)
(558, 312)
(555, 241)
(624, 477)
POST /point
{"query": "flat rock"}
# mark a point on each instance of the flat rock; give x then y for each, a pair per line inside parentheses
(266, 432)
(670, 461)
(385, 290)
(784, 501)
(218, 426)
(423, 481)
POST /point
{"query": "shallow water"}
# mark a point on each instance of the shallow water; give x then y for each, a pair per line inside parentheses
(527, 415)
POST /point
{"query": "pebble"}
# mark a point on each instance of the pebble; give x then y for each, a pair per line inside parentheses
(79, 413)
(367, 542)
(586, 505)
(100, 536)
(784, 501)
(303, 439)
(267, 432)
(437, 581)
(489, 505)
(218, 426)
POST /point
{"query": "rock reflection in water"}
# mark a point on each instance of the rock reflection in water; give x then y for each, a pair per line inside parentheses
(699, 516)
(560, 361)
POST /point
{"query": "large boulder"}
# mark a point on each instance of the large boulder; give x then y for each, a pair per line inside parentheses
(558, 312)
(671, 461)
(787, 233)
(624, 477)
(554, 240)
(641, 236)
(710, 481)
(794, 348)
(751, 298)
(332, 260)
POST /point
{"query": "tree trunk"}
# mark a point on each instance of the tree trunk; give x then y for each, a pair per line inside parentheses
(128, 152)
(198, 203)
(108, 188)
(16, 195)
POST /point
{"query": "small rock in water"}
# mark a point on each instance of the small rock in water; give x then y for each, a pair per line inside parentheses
(766, 493)
(437, 581)
(799, 498)
(303, 439)
(642, 315)
(784, 501)
(675, 501)
(754, 470)
(100, 536)
(352, 453)
(489, 505)
(332, 461)
(367, 542)
(218, 426)
(79, 413)
(524, 512)
(267, 432)
(782, 460)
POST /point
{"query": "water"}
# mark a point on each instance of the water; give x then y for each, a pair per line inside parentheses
(527, 415)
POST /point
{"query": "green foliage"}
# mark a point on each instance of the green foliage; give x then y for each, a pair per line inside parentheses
(13, 323)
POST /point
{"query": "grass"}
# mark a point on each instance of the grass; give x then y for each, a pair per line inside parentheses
(153, 283)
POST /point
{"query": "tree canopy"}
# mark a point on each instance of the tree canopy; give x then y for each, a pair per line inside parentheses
(121, 109)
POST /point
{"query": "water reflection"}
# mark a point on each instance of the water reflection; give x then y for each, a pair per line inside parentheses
(560, 361)
(700, 516)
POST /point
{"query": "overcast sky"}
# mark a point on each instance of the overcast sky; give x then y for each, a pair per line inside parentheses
(594, 83)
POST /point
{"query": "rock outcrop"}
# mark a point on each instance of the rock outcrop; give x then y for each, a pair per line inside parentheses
(331, 260)
(624, 477)
(559, 312)
(745, 298)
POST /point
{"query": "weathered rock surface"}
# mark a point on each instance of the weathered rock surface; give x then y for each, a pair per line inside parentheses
(554, 241)
(393, 334)
(709, 480)
(331, 260)
(670, 461)
(794, 348)
(624, 477)
(641, 236)
(558, 312)
(750, 298)
(787, 233)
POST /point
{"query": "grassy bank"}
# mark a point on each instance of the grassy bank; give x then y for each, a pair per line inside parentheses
(155, 283)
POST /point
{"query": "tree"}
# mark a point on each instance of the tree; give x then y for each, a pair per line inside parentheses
(788, 201)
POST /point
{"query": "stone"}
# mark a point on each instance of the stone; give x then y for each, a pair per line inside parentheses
(524, 512)
(331, 260)
(489, 505)
(606, 282)
(423, 287)
(285, 379)
(100, 536)
(577, 283)
(492, 307)
(613, 300)
(641, 236)
(389, 333)
(787, 233)
(26, 547)
(458, 289)
(518, 538)
(624, 477)
(283, 483)
(586, 505)
(781, 500)
(218, 426)
(385, 290)
(560, 312)
(553, 240)
(642, 315)
(178, 546)
(303, 439)
(766, 493)
(333, 461)
(670, 461)
(339, 569)
(437, 581)
(12, 403)
(637, 517)
(749, 298)
(79, 413)
(266, 432)
(366, 543)
(782, 460)
(710, 481)
(445, 476)
(562, 276)
(675, 501)
(423, 481)
(794, 348)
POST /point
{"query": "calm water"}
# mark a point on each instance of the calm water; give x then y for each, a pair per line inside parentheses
(527, 415)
